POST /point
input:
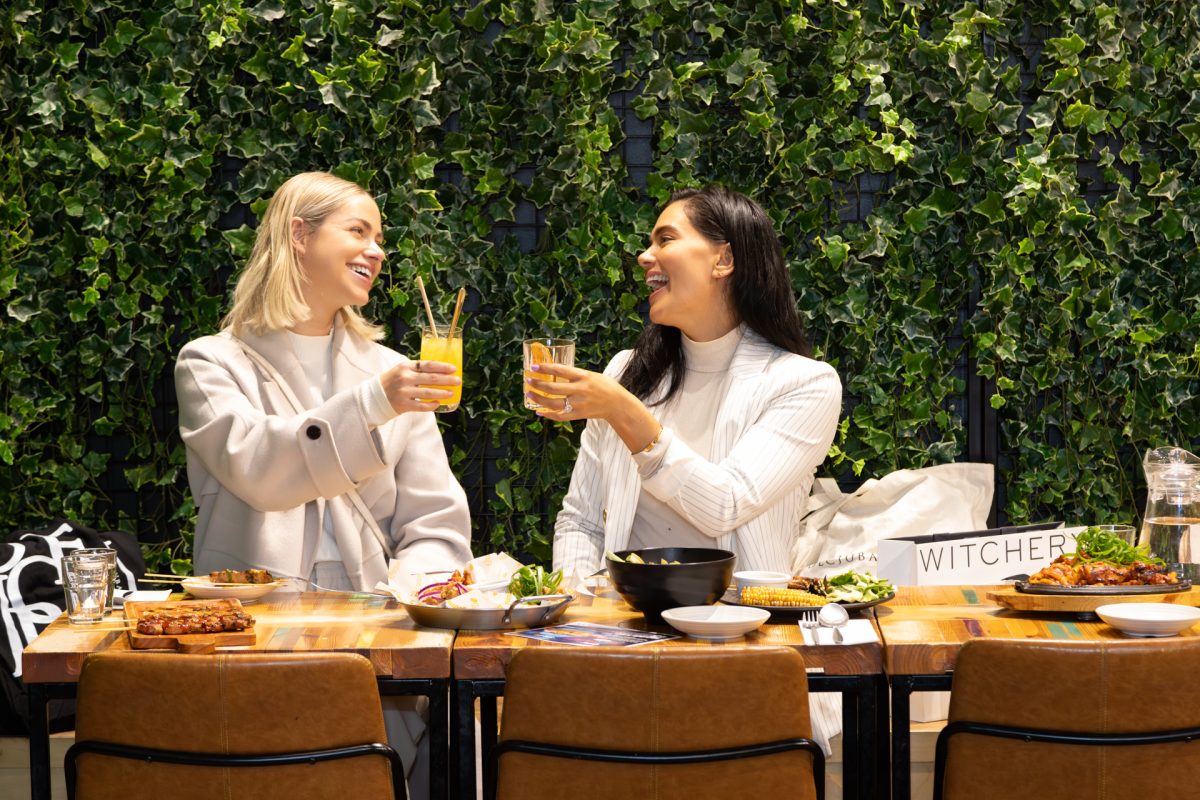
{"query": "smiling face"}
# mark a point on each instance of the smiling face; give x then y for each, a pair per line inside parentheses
(687, 275)
(340, 260)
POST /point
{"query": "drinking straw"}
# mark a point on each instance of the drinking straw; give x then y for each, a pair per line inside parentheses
(428, 310)
(458, 304)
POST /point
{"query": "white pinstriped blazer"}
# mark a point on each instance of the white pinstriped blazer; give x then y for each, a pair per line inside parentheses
(773, 429)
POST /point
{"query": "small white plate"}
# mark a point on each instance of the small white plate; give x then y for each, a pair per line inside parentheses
(1149, 619)
(716, 622)
(778, 580)
(202, 588)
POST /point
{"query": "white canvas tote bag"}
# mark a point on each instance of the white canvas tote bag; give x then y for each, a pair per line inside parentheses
(841, 531)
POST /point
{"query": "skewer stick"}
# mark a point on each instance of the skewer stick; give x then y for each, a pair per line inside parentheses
(218, 584)
(458, 304)
(428, 309)
(158, 577)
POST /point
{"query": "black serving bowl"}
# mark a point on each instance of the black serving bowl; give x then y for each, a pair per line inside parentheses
(699, 579)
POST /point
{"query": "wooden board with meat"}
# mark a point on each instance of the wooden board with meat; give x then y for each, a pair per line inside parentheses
(189, 626)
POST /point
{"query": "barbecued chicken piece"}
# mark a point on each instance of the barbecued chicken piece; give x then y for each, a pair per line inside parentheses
(1155, 574)
(1061, 572)
(150, 627)
(240, 576)
(1102, 573)
(810, 585)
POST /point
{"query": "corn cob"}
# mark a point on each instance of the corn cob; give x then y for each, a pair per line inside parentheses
(771, 596)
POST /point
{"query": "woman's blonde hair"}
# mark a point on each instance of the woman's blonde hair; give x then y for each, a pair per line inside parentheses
(268, 294)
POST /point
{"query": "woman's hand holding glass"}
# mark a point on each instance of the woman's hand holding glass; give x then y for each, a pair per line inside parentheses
(420, 385)
(592, 395)
(567, 393)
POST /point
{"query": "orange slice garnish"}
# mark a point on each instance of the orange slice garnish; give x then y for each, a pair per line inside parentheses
(539, 353)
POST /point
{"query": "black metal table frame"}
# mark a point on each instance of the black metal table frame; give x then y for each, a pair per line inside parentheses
(436, 689)
(902, 688)
(864, 722)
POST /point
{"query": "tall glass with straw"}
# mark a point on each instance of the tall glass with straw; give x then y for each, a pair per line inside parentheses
(443, 342)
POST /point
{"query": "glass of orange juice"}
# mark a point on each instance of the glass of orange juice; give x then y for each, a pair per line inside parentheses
(444, 344)
(546, 351)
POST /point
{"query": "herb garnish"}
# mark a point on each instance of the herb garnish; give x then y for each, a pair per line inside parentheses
(1093, 544)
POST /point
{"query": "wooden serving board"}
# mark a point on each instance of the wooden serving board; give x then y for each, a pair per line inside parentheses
(1085, 603)
(187, 642)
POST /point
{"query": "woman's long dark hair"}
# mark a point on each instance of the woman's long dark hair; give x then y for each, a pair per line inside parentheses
(760, 288)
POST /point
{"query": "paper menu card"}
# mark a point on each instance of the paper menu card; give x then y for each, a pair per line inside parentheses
(588, 634)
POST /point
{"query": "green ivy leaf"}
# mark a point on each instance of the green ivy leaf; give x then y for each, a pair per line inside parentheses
(992, 207)
(1079, 113)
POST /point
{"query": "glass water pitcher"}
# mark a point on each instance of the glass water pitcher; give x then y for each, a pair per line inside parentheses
(1171, 525)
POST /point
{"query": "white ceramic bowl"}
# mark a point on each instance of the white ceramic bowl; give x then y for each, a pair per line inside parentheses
(202, 588)
(1149, 619)
(716, 622)
(778, 580)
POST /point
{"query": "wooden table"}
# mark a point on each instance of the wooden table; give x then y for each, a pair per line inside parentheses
(408, 660)
(923, 629)
(856, 671)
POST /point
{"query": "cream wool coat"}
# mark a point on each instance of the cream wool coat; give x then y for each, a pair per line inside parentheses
(773, 429)
(262, 475)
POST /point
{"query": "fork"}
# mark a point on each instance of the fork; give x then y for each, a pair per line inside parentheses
(808, 619)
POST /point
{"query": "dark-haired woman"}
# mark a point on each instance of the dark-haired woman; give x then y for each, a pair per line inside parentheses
(709, 431)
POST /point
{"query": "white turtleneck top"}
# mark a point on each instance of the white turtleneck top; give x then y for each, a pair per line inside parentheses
(315, 354)
(691, 415)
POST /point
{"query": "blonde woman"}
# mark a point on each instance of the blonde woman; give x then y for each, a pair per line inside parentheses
(311, 451)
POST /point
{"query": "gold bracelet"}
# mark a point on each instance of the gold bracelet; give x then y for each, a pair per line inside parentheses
(657, 436)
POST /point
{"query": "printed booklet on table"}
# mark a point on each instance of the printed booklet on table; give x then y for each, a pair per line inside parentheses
(587, 634)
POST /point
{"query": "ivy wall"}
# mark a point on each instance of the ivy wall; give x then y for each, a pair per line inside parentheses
(989, 210)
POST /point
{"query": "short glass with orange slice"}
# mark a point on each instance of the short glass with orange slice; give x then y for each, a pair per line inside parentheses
(545, 351)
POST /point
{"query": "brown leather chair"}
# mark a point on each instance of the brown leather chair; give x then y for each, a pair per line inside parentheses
(668, 723)
(165, 725)
(1035, 720)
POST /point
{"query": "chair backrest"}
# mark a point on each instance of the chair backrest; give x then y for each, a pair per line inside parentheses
(656, 700)
(1074, 688)
(230, 704)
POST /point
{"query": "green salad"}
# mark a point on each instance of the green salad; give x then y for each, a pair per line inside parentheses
(857, 587)
(533, 581)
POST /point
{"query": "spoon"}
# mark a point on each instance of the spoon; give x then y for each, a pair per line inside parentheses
(832, 615)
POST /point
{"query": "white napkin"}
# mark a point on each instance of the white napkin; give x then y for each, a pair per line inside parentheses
(856, 631)
(142, 596)
(493, 569)
(401, 584)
